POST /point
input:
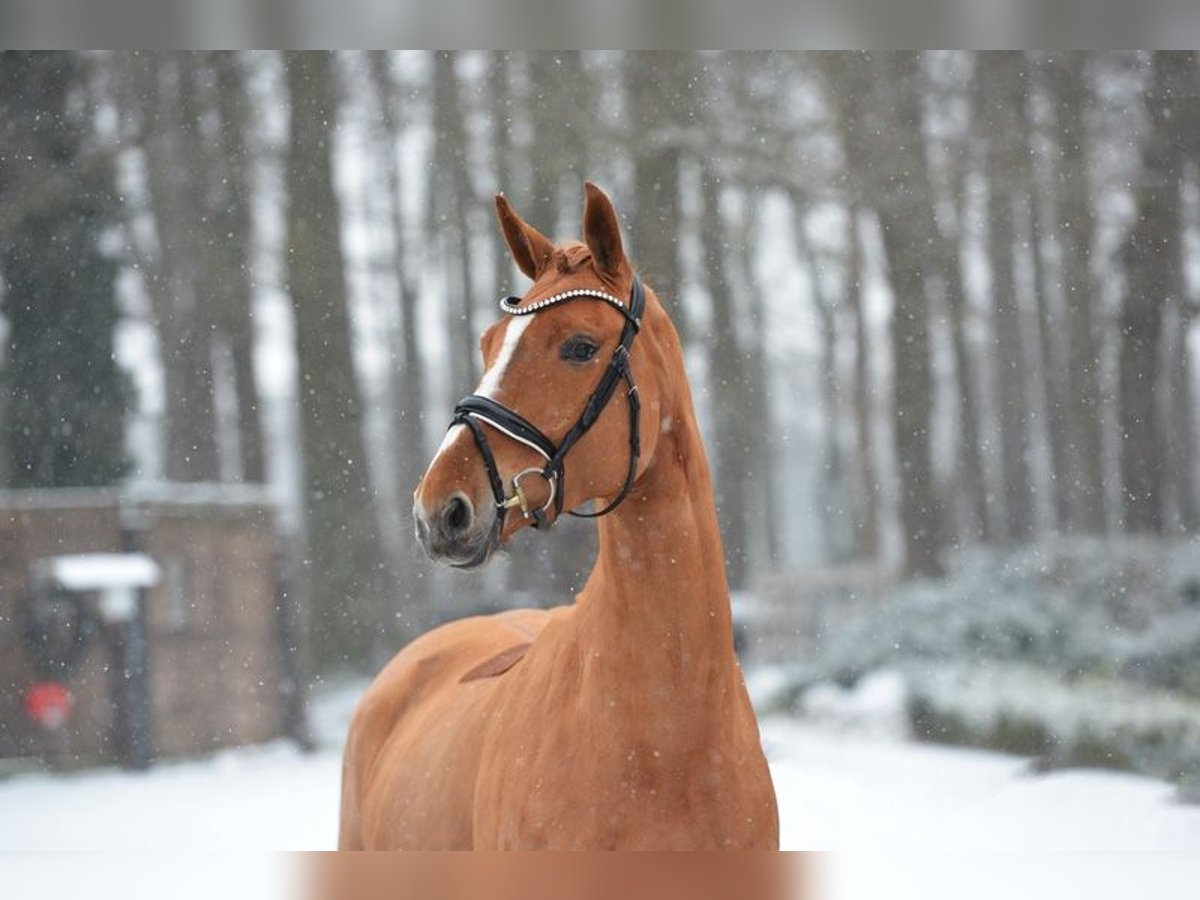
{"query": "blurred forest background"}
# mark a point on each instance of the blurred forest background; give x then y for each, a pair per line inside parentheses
(933, 303)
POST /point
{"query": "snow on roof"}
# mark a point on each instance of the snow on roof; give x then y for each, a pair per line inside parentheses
(209, 494)
(100, 571)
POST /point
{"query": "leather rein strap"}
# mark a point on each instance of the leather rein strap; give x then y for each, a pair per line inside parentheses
(473, 410)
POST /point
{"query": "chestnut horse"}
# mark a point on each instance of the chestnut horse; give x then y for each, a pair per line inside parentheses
(619, 721)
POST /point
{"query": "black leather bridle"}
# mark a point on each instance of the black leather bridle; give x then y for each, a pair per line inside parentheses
(476, 409)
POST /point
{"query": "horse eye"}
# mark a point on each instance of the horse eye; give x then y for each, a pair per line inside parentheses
(578, 350)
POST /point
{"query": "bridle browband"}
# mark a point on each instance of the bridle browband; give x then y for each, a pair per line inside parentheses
(476, 409)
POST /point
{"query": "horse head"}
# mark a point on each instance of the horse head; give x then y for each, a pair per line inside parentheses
(567, 409)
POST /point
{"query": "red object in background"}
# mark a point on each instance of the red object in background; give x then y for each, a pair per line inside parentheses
(49, 703)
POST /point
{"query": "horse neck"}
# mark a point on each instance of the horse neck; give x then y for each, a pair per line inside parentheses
(657, 602)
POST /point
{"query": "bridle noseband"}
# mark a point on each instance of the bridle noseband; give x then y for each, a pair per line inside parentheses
(476, 409)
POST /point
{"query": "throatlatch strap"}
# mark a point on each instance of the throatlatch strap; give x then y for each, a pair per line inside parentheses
(635, 445)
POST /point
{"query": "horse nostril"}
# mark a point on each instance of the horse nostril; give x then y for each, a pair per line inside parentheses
(456, 516)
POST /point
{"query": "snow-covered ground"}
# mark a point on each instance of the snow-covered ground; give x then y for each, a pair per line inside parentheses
(840, 791)
(837, 791)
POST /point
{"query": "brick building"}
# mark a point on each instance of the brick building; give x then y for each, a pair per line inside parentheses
(218, 665)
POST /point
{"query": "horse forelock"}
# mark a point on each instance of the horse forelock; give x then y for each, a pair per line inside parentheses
(568, 259)
(571, 257)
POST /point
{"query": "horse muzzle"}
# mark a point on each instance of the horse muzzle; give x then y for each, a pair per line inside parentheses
(456, 533)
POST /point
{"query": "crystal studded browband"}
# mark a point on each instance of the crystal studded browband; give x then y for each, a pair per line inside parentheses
(509, 304)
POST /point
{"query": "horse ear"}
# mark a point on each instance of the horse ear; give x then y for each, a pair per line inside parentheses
(531, 250)
(601, 232)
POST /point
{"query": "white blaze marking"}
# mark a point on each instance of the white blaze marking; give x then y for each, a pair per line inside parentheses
(451, 433)
(490, 383)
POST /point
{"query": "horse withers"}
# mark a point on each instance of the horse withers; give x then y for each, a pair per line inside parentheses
(619, 721)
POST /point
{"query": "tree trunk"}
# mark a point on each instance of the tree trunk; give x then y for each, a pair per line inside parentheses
(728, 379)
(544, 174)
(763, 491)
(831, 491)
(500, 120)
(159, 96)
(558, 111)
(1154, 276)
(231, 226)
(1049, 370)
(1185, 111)
(1071, 96)
(1182, 400)
(883, 93)
(196, 431)
(969, 472)
(655, 94)
(191, 421)
(867, 472)
(451, 198)
(344, 563)
(906, 215)
(850, 80)
(1001, 108)
(408, 376)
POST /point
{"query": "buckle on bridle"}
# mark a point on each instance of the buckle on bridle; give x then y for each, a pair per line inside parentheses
(519, 501)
